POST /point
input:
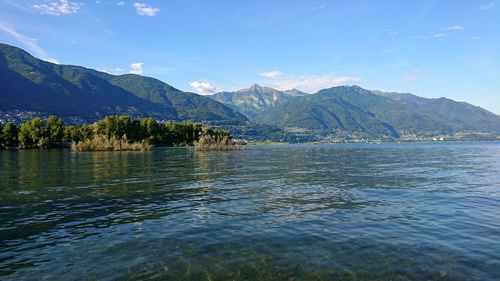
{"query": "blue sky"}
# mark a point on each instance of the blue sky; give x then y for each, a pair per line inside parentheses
(429, 48)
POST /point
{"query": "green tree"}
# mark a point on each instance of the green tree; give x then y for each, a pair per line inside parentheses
(151, 131)
(119, 126)
(55, 130)
(9, 135)
(33, 134)
(86, 132)
(71, 134)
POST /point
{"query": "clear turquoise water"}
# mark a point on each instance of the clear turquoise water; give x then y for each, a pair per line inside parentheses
(317, 212)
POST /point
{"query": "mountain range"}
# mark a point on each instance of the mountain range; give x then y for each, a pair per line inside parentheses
(31, 85)
(354, 109)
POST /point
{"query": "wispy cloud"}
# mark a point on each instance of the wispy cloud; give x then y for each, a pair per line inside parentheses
(29, 43)
(136, 68)
(203, 87)
(413, 75)
(63, 7)
(438, 35)
(271, 74)
(487, 6)
(432, 35)
(114, 71)
(454, 27)
(311, 83)
(145, 10)
(391, 32)
(120, 3)
(317, 7)
(401, 63)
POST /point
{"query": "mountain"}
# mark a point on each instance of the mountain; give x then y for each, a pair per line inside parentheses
(325, 111)
(30, 84)
(354, 109)
(253, 101)
(295, 93)
(457, 116)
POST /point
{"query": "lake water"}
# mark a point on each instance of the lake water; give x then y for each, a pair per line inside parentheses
(298, 212)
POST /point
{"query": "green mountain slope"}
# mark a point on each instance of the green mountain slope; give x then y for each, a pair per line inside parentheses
(354, 109)
(326, 112)
(30, 84)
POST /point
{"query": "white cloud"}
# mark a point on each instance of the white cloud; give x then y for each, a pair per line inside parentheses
(120, 3)
(438, 35)
(318, 7)
(203, 87)
(312, 83)
(487, 6)
(28, 42)
(454, 27)
(145, 10)
(271, 74)
(136, 68)
(63, 7)
(413, 75)
(114, 71)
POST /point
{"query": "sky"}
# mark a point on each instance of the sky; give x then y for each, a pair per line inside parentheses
(442, 48)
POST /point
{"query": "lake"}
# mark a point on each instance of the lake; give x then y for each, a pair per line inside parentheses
(422, 211)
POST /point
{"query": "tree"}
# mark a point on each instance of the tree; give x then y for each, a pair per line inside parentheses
(9, 135)
(55, 130)
(86, 132)
(71, 134)
(33, 134)
(151, 131)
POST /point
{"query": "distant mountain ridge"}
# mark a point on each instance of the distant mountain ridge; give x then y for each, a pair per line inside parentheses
(30, 84)
(357, 110)
(255, 100)
(352, 108)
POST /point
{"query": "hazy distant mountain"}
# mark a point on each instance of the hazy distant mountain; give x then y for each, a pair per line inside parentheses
(30, 84)
(355, 109)
(295, 93)
(252, 101)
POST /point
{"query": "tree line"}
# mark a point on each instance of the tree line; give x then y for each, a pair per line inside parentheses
(52, 132)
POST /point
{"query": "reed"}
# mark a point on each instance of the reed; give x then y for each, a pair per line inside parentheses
(208, 142)
(105, 143)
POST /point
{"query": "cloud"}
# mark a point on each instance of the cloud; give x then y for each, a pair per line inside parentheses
(311, 83)
(63, 7)
(438, 35)
(136, 68)
(454, 27)
(318, 7)
(271, 74)
(145, 10)
(391, 32)
(120, 3)
(413, 75)
(28, 42)
(203, 87)
(487, 6)
(114, 71)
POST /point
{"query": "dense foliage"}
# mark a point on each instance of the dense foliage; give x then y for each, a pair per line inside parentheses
(38, 133)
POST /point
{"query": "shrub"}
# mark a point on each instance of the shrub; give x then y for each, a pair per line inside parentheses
(110, 143)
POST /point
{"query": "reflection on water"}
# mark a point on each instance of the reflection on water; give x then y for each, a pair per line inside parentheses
(321, 212)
